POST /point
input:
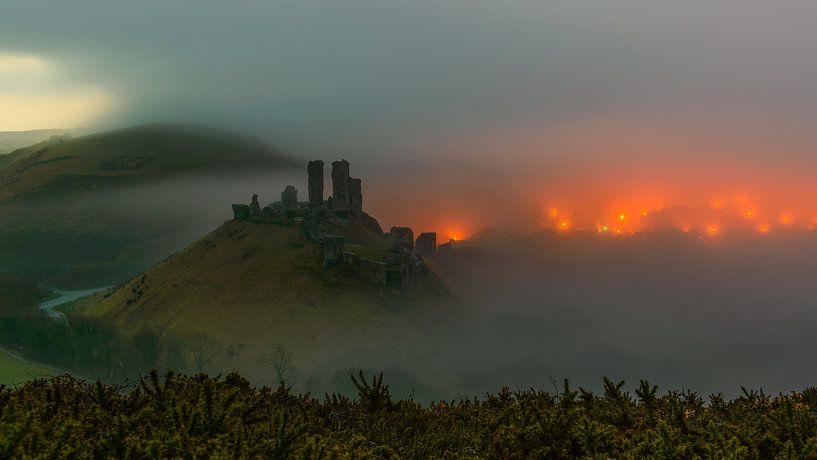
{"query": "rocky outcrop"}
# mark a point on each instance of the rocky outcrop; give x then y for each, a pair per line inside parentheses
(315, 183)
(426, 244)
(340, 185)
(289, 198)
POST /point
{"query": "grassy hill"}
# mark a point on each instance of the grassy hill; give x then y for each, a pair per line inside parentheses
(78, 211)
(253, 285)
(14, 371)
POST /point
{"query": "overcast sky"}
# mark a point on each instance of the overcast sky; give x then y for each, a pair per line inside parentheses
(510, 94)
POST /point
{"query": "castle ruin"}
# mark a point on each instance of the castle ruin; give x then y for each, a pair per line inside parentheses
(398, 267)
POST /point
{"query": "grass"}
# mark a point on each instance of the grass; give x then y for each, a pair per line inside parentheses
(14, 371)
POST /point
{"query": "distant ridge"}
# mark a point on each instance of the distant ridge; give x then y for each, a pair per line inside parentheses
(13, 140)
(80, 200)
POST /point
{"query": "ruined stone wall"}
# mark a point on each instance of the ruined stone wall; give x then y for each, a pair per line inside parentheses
(255, 208)
(403, 237)
(289, 198)
(333, 246)
(241, 211)
(426, 244)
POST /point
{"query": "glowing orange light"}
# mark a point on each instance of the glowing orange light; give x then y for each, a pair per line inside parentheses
(763, 228)
(716, 204)
(564, 225)
(618, 231)
(554, 212)
(621, 216)
(749, 214)
(786, 219)
(713, 229)
(644, 213)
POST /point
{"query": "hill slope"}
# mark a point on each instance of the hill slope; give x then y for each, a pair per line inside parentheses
(82, 203)
(13, 140)
(252, 285)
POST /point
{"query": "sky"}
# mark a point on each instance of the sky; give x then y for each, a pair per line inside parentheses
(457, 114)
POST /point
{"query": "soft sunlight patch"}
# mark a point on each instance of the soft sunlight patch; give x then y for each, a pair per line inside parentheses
(45, 101)
(60, 110)
(22, 64)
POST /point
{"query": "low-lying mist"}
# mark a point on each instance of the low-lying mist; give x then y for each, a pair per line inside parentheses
(683, 312)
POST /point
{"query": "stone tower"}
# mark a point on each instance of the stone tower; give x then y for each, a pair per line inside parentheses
(355, 198)
(340, 184)
(315, 172)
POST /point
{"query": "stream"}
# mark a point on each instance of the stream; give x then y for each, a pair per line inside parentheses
(49, 306)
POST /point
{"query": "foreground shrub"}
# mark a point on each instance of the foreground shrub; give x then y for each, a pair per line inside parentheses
(200, 416)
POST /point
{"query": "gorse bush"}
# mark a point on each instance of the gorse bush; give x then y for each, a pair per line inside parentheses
(200, 416)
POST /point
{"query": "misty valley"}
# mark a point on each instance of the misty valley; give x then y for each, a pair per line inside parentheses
(408, 229)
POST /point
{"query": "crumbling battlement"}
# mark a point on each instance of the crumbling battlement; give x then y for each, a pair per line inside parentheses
(403, 237)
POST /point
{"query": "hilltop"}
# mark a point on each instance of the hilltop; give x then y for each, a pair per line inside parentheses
(252, 285)
(319, 278)
(82, 201)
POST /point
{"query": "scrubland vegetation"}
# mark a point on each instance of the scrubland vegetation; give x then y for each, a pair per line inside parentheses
(170, 416)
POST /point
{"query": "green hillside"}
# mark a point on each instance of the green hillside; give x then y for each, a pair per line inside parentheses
(253, 285)
(14, 371)
(74, 210)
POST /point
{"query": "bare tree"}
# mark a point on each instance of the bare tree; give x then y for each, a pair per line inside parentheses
(280, 359)
(203, 349)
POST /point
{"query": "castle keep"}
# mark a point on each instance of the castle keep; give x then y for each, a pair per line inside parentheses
(395, 263)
